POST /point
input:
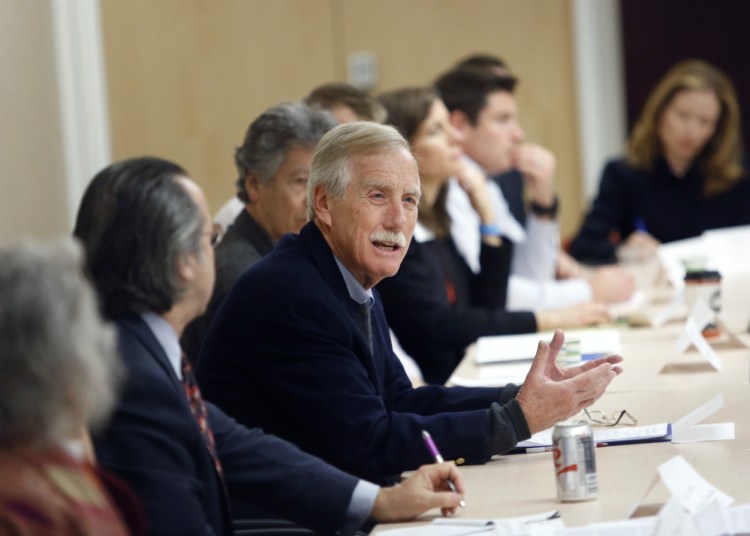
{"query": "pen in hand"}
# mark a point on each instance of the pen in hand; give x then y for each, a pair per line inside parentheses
(435, 453)
(640, 225)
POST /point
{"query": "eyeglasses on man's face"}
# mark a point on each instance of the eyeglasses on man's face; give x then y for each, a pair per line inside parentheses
(214, 234)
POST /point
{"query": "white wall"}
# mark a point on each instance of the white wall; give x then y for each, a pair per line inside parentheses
(31, 156)
(53, 132)
(601, 87)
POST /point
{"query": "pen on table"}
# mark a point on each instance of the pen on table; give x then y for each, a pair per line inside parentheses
(435, 453)
(532, 450)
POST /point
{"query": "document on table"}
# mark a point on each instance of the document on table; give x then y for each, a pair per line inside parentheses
(512, 348)
(739, 516)
(512, 526)
(687, 429)
(699, 318)
(684, 430)
(603, 437)
(495, 375)
(687, 485)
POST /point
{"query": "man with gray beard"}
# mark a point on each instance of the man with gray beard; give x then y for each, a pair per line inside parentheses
(300, 346)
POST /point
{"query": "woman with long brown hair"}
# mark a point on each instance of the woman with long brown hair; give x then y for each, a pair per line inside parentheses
(685, 171)
(436, 304)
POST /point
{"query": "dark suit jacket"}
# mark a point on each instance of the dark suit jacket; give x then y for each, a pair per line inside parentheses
(154, 443)
(244, 244)
(512, 186)
(285, 353)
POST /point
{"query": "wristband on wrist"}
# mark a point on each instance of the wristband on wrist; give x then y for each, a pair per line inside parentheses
(489, 230)
(541, 210)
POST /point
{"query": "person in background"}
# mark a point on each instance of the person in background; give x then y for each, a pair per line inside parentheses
(147, 235)
(483, 109)
(346, 103)
(273, 166)
(575, 287)
(315, 364)
(685, 171)
(436, 304)
(59, 375)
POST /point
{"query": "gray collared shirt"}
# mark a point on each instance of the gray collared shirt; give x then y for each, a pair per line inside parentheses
(357, 292)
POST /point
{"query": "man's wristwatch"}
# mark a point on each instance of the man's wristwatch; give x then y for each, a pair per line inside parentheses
(550, 212)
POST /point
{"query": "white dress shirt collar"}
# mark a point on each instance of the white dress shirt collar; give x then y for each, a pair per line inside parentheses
(167, 338)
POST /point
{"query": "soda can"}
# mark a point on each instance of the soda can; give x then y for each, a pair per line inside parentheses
(574, 457)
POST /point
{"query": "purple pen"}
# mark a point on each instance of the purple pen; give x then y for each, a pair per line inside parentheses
(435, 453)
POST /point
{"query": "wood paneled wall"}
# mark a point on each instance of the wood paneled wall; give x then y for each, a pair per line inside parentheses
(186, 77)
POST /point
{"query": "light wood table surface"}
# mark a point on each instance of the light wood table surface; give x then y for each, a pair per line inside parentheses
(524, 484)
(658, 385)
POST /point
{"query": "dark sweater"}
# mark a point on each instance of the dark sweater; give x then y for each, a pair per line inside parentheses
(670, 208)
(244, 244)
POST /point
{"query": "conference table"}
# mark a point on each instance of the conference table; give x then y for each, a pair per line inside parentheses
(659, 384)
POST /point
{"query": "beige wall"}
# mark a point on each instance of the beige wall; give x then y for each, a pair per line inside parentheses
(33, 202)
(186, 77)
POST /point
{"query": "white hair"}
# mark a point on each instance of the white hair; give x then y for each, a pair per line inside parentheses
(329, 162)
(58, 359)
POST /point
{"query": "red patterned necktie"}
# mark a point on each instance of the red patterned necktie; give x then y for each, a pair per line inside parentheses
(198, 407)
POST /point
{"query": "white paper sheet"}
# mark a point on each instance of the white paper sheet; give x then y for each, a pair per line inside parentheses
(684, 430)
(608, 435)
(703, 411)
(512, 526)
(510, 348)
(688, 487)
(739, 518)
(439, 530)
(692, 335)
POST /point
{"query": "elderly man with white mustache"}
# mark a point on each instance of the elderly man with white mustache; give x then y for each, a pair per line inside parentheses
(301, 348)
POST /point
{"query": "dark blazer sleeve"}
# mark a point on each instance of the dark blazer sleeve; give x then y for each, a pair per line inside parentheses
(300, 366)
(609, 212)
(267, 472)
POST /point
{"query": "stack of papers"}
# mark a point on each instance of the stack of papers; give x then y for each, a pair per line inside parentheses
(542, 441)
(513, 348)
(685, 430)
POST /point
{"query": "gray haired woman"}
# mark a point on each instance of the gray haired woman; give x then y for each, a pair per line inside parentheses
(59, 375)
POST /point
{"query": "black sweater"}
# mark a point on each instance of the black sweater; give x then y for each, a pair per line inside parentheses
(437, 306)
(670, 208)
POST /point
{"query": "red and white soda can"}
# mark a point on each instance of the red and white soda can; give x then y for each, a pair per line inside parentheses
(575, 461)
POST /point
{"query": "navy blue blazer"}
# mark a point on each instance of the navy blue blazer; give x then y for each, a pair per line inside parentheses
(285, 353)
(154, 443)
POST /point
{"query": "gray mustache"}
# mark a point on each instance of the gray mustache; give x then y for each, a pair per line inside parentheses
(389, 237)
